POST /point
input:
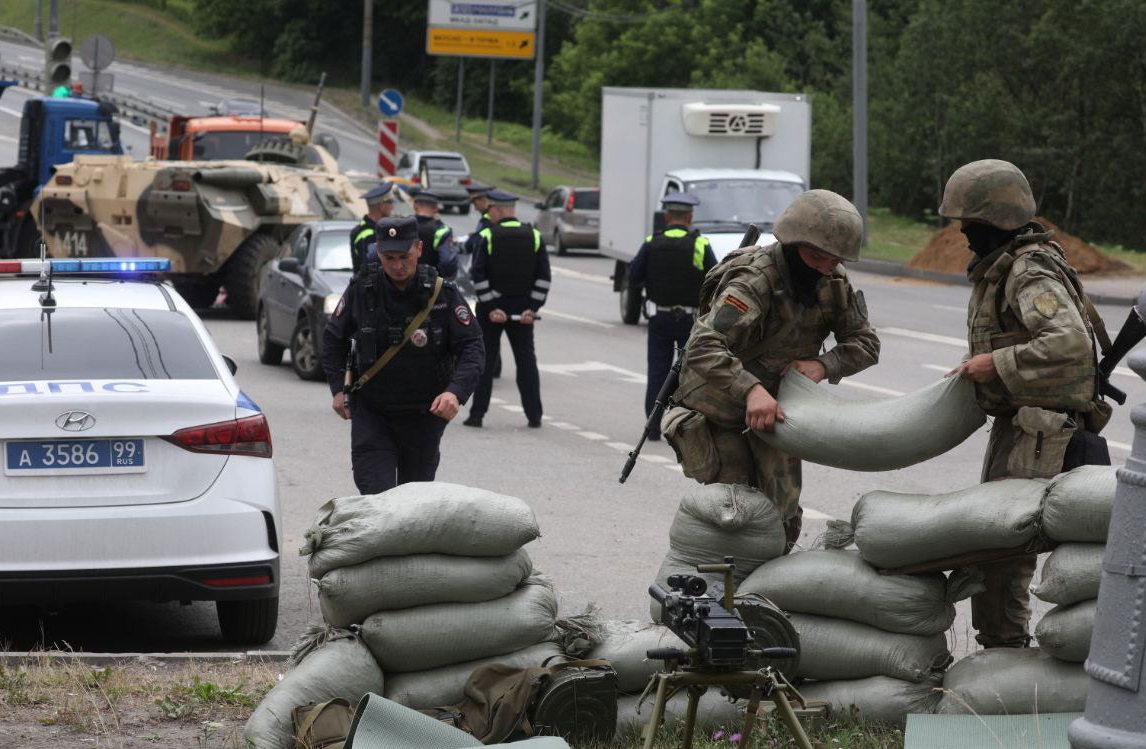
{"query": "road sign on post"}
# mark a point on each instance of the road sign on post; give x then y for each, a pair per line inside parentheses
(387, 147)
(483, 28)
(390, 102)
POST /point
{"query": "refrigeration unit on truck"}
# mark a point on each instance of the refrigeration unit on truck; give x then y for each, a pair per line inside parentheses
(745, 154)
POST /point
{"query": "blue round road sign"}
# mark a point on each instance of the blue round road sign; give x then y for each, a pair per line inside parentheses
(389, 103)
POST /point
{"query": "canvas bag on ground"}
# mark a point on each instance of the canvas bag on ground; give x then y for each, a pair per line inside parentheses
(720, 520)
(1078, 504)
(445, 685)
(438, 635)
(1071, 573)
(322, 725)
(879, 698)
(1010, 681)
(832, 649)
(348, 595)
(894, 530)
(1064, 631)
(840, 584)
(625, 645)
(417, 518)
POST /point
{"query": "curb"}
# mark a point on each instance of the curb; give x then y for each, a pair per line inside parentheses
(888, 268)
(99, 659)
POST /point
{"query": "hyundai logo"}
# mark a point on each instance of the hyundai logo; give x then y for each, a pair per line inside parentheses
(75, 421)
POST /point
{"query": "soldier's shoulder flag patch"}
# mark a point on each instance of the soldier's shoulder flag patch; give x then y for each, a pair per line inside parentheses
(1047, 304)
(734, 301)
(463, 314)
(341, 306)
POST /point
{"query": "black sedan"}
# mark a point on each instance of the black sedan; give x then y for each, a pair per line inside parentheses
(299, 290)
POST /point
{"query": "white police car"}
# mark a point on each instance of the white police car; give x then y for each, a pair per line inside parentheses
(133, 465)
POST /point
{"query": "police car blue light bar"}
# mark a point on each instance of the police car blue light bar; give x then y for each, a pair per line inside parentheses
(87, 265)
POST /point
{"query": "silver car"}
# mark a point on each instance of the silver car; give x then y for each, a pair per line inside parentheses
(570, 217)
(446, 173)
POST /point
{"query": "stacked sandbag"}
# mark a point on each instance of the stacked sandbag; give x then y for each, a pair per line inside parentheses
(1076, 513)
(894, 530)
(718, 520)
(856, 625)
(331, 663)
(625, 644)
(434, 579)
(1013, 681)
(876, 698)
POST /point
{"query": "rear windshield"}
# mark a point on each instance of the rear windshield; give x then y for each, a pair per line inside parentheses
(445, 164)
(587, 200)
(100, 344)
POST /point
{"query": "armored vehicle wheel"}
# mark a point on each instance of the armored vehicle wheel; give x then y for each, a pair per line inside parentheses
(248, 622)
(269, 353)
(241, 273)
(304, 351)
(199, 294)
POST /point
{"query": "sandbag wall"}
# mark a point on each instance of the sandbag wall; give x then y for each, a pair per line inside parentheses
(418, 586)
(1070, 513)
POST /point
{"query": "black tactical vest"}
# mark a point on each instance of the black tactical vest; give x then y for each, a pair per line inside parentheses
(420, 371)
(427, 227)
(671, 276)
(512, 259)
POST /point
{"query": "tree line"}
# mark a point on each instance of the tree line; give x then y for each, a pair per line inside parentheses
(1056, 86)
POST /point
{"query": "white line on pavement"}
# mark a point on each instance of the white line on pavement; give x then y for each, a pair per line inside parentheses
(572, 370)
(580, 275)
(949, 307)
(13, 112)
(656, 458)
(565, 425)
(575, 318)
(1118, 445)
(622, 446)
(594, 436)
(810, 514)
(9, 138)
(937, 368)
(921, 336)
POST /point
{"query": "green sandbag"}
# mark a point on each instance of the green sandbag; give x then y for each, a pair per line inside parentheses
(832, 649)
(1064, 631)
(880, 698)
(1013, 681)
(1078, 504)
(1071, 573)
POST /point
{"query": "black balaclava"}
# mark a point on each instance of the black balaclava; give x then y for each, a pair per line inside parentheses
(983, 239)
(804, 276)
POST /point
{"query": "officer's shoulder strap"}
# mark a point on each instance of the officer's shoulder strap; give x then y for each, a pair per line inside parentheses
(391, 352)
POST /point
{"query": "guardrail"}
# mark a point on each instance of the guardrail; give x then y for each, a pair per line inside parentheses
(16, 35)
(128, 105)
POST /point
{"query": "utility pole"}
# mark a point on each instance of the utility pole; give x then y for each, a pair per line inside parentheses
(38, 23)
(53, 18)
(859, 109)
(367, 48)
(538, 80)
(461, 81)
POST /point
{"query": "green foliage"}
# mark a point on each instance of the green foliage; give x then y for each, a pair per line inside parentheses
(184, 699)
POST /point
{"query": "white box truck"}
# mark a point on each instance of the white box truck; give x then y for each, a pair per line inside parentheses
(745, 154)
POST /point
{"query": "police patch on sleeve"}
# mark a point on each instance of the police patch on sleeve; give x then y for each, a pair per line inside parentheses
(341, 306)
(1047, 304)
(463, 314)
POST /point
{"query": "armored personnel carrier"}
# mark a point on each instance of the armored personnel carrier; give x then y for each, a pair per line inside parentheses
(217, 221)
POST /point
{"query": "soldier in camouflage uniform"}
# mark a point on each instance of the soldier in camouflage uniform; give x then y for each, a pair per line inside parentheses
(772, 309)
(1030, 348)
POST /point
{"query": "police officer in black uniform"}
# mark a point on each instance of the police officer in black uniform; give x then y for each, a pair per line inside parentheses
(511, 277)
(479, 199)
(438, 249)
(379, 205)
(670, 265)
(398, 415)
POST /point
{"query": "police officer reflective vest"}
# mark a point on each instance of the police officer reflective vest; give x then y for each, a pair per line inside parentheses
(512, 247)
(422, 368)
(675, 267)
(431, 231)
(361, 240)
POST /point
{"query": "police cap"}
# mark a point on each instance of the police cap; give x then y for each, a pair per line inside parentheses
(380, 194)
(425, 196)
(680, 201)
(477, 188)
(395, 234)
(497, 197)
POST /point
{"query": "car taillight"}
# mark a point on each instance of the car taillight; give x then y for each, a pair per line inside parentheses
(247, 436)
(569, 204)
(465, 181)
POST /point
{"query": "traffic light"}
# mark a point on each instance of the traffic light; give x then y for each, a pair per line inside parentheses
(58, 60)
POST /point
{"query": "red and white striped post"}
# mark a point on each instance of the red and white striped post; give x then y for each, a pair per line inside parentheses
(387, 147)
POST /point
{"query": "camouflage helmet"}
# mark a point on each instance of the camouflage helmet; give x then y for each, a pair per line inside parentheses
(992, 191)
(824, 220)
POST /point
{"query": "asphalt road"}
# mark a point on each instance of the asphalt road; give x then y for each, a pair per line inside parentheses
(601, 542)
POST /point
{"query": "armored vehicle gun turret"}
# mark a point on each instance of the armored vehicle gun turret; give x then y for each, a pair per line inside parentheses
(217, 221)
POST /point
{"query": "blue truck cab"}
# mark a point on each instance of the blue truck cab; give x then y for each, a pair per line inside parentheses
(52, 131)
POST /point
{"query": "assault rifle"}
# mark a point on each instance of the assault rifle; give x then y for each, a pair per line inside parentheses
(664, 396)
(1131, 334)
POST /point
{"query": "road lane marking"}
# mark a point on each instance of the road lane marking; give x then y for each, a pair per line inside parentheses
(575, 318)
(810, 514)
(937, 368)
(580, 275)
(572, 370)
(565, 425)
(621, 446)
(1118, 445)
(9, 138)
(951, 307)
(921, 336)
(656, 458)
(594, 436)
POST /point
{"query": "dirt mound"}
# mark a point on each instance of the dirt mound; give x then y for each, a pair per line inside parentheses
(947, 252)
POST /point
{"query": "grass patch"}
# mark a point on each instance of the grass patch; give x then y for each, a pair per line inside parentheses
(1136, 259)
(138, 31)
(894, 238)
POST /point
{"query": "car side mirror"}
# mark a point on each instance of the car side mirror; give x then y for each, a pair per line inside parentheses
(231, 365)
(290, 265)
